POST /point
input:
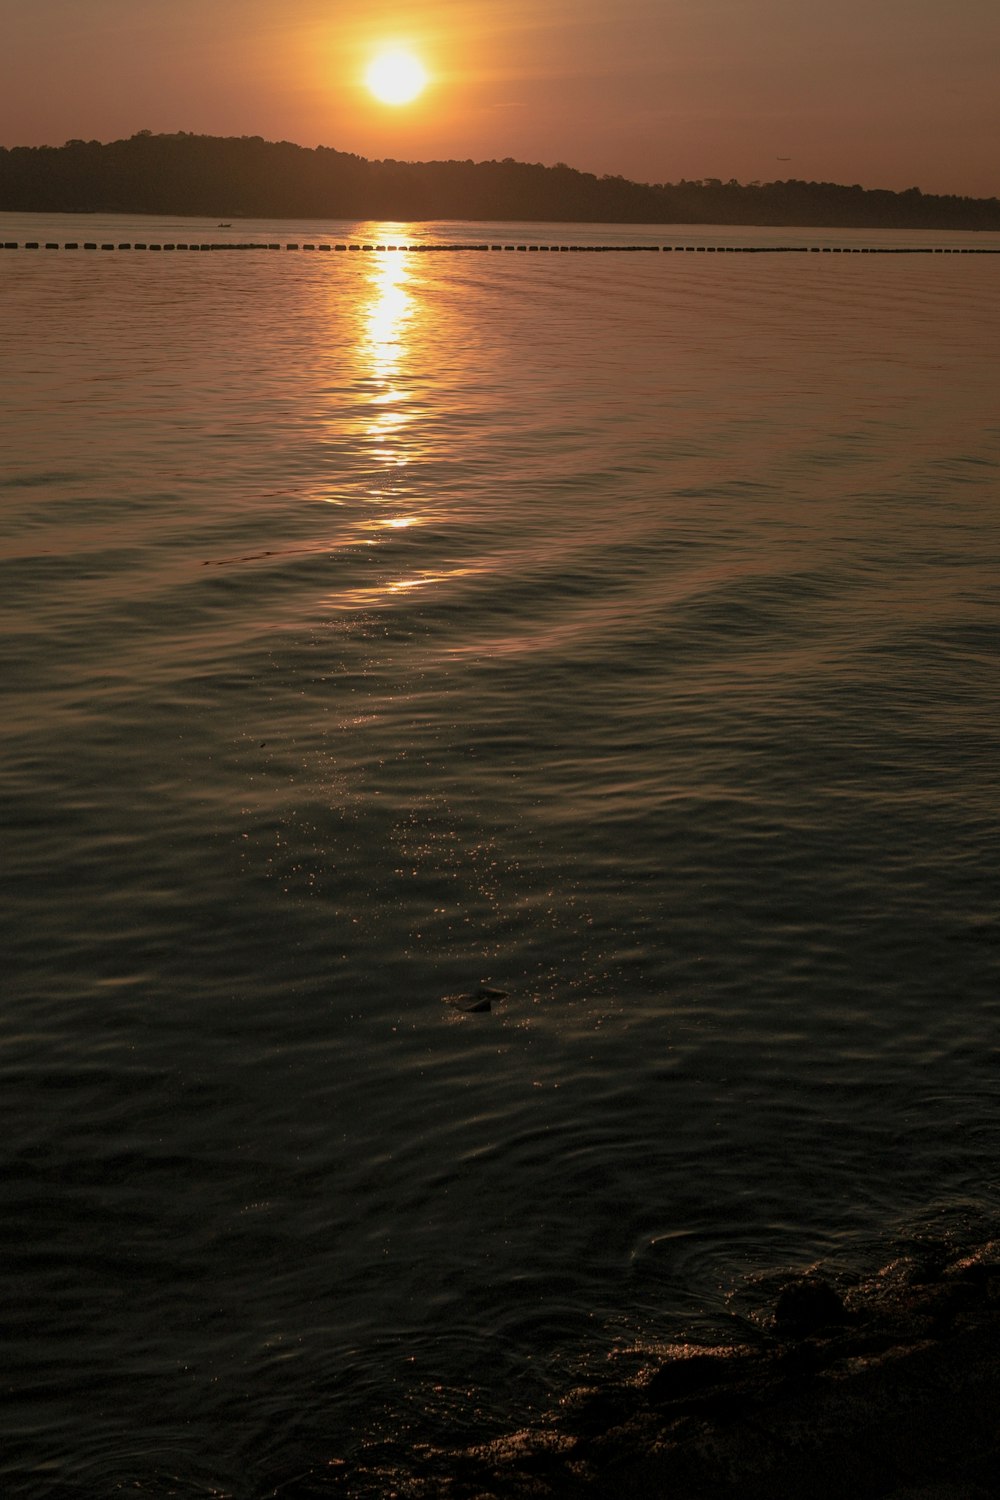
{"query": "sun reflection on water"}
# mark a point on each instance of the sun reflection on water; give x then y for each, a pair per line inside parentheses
(385, 435)
(388, 331)
(388, 315)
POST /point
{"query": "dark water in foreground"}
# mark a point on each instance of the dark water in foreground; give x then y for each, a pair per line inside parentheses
(621, 631)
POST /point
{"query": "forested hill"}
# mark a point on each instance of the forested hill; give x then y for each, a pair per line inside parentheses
(245, 176)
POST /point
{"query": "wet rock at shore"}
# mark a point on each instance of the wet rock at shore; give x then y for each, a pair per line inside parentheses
(808, 1306)
(887, 1391)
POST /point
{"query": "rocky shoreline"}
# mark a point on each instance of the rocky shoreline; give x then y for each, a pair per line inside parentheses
(888, 1389)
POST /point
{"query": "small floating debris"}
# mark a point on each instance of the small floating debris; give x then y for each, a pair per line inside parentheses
(475, 1002)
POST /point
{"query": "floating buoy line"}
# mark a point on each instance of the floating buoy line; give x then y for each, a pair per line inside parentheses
(424, 248)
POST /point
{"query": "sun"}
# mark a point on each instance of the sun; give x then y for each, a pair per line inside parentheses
(396, 77)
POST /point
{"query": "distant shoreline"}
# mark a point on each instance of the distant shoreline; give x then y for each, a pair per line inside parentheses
(241, 177)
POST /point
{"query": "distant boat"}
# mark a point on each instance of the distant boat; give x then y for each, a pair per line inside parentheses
(229, 226)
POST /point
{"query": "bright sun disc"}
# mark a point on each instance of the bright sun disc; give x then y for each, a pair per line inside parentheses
(396, 77)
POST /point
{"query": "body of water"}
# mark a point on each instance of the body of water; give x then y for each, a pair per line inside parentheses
(617, 631)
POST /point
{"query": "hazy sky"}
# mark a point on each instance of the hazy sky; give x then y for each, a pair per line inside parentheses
(888, 93)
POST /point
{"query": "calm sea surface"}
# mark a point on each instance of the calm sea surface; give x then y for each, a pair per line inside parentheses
(619, 631)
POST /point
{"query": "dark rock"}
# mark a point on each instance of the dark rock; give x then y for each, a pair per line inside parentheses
(589, 1411)
(982, 1267)
(806, 1307)
(694, 1372)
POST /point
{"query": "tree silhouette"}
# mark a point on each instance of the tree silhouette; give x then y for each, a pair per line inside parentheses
(246, 176)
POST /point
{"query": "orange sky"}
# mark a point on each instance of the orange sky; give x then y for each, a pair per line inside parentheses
(887, 93)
